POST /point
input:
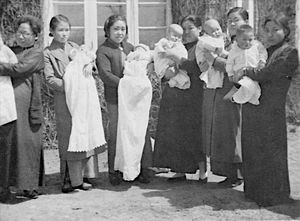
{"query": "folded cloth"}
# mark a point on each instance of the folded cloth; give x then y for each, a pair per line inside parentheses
(248, 92)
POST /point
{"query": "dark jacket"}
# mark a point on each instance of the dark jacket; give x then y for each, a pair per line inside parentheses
(110, 65)
(29, 67)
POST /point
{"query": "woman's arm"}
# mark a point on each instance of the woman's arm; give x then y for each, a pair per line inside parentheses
(28, 64)
(190, 66)
(284, 66)
(54, 82)
(104, 67)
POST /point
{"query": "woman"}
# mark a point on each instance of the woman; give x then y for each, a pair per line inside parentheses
(110, 62)
(222, 118)
(264, 136)
(73, 165)
(178, 136)
(26, 156)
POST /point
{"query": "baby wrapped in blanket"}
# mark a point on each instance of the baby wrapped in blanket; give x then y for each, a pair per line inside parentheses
(134, 100)
(82, 100)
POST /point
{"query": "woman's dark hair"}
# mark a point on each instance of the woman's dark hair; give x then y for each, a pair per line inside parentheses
(196, 20)
(55, 20)
(280, 19)
(242, 12)
(34, 23)
(110, 22)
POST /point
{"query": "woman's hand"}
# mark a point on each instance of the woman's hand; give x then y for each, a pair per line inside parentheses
(203, 66)
(171, 55)
(209, 56)
(238, 75)
(88, 69)
(170, 72)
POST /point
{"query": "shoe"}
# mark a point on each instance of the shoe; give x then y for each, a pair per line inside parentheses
(225, 183)
(67, 188)
(31, 194)
(177, 178)
(143, 177)
(87, 180)
(114, 178)
(203, 181)
(236, 183)
(84, 186)
(230, 183)
(5, 196)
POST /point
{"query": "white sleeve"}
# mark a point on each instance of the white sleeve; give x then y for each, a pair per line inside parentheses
(263, 54)
(230, 63)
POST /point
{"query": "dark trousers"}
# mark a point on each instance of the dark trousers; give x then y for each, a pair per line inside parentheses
(6, 134)
(113, 127)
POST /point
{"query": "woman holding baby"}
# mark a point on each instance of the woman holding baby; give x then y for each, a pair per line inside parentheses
(22, 157)
(76, 167)
(178, 143)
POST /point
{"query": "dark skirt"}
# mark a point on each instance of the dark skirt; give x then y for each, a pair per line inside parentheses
(178, 144)
(265, 165)
(6, 132)
(222, 131)
(27, 168)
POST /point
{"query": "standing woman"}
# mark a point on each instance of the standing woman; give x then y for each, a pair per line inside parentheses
(110, 62)
(264, 133)
(222, 118)
(178, 143)
(73, 165)
(26, 156)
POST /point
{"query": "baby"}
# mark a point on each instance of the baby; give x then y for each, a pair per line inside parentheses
(213, 41)
(137, 61)
(245, 52)
(134, 101)
(162, 64)
(8, 111)
(83, 103)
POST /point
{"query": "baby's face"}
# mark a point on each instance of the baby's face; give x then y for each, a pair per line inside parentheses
(245, 40)
(175, 36)
(213, 30)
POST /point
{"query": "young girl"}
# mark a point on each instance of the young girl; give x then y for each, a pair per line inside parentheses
(72, 164)
(110, 62)
(8, 115)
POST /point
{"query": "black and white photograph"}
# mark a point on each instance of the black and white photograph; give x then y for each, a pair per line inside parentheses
(153, 110)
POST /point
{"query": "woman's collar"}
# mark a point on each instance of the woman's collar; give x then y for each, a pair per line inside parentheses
(117, 45)
(58, 44)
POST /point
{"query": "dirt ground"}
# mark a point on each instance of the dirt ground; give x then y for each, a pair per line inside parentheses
(159, 200)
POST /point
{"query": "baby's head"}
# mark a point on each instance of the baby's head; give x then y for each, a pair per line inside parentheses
(73, 53)
(244, 36)
(141, 48)
(175, 33)
(212, 28)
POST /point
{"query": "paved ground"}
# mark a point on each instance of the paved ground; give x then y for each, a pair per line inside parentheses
(158, 200)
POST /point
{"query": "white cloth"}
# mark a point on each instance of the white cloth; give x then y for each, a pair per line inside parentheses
(248, 92)
(134, 100)
(241, 58)
(8, 111)
(212, 78)
(161, 63)
(82, 100)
